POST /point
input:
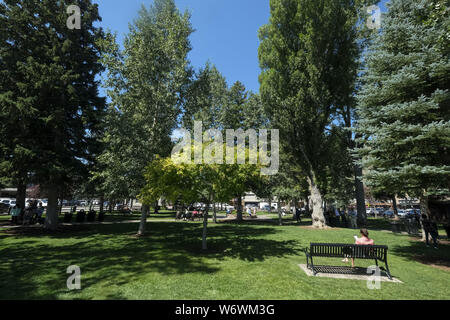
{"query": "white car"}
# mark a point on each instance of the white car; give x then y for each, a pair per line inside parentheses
(44, 202)
(6, 201)
(402, 213)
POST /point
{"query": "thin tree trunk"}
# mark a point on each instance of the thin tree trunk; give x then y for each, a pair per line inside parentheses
(214, 213)
(394, 205)
(239, 209)
(102, 199)
(205, 227)
(21, 195)
(424, 209)
(51, 219)
(318, 218)
(295, 208)
(280, 218)
(360, 199)
(142, 225)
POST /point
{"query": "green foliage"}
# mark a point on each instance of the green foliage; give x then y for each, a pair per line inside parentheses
(189, 182)
(147, 83)
(308, 55)
(205, 98)
(51, 114)
(404, 104)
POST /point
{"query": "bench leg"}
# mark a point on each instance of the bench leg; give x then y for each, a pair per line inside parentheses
(387, 270)
(312, 267)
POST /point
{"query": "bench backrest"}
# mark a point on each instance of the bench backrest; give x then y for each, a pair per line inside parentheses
(338, 250)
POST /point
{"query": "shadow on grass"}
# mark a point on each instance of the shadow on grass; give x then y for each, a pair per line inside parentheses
(418, 251)
(112, 255)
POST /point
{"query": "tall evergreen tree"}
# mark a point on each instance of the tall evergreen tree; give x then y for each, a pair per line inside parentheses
(49, 95)
(404, 105)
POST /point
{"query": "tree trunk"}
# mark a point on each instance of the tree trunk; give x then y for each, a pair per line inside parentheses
(360, 199)
(295, 208)
(394, 205)
(102, 199)
(61, 206)
(21, 195)
(424, 209)
(51, 219)
(307, 206)
(239, 209)
(280, 218)
(318, 218)
(214, 213)
(205, 227)
(142, 225)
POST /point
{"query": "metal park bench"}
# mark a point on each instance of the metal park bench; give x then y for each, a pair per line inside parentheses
(339, 250)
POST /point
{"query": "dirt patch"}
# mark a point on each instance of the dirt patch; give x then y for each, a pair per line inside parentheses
(40, 230)
(434, 262)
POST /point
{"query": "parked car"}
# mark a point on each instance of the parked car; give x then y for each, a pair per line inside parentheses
(412, 212)
(6, 201)
(402, 213)
(388, 213)
(82, 203)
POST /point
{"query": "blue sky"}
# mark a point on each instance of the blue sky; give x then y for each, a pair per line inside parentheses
(226, 32)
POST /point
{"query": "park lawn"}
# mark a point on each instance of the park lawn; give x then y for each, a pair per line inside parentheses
(250, 260)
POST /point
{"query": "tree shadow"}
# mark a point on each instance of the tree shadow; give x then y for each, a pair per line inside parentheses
(418, 251)
(112, 255)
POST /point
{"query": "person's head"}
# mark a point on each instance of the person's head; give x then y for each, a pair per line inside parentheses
(364, 232)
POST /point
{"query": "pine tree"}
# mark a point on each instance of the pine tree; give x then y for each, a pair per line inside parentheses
(49, 93)
(404, 105)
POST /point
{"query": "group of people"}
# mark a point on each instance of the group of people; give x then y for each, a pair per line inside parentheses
(334, 217)
(30, 215)
(190, 213)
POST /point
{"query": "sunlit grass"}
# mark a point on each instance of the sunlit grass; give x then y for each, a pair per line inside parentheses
(250, 260)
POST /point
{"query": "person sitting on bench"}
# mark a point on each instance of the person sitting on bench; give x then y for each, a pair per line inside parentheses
(364, 240)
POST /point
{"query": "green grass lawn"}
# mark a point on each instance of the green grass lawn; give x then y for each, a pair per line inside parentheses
(251, 260)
